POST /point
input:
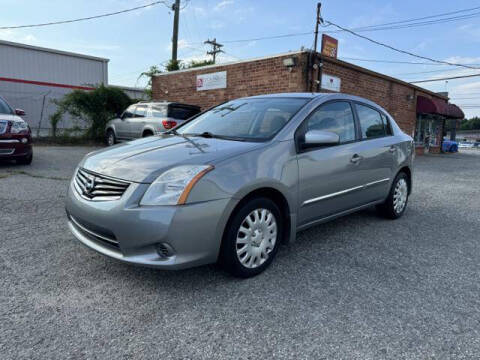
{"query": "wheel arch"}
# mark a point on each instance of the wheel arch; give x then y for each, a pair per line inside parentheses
(408, 172)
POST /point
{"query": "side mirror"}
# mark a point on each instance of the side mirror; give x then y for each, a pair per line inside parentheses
(20, 112)
(315, 138)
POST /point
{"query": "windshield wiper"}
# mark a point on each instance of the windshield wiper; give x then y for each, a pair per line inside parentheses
(209, 135)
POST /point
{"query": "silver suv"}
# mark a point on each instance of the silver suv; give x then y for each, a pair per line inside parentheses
(147, 119)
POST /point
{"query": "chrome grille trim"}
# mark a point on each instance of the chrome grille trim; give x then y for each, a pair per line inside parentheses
(95, 187)
(7, 151)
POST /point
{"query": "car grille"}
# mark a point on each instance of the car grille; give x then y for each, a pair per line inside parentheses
(96, 187)
(7, 151)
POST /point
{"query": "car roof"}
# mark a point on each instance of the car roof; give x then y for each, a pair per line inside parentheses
(149, 103)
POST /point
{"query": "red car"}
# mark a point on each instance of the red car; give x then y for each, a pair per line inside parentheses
(15, 135)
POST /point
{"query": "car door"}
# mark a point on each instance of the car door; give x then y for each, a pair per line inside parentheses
(137, 123)
(122, 127)
(378, 149)
(329, 180)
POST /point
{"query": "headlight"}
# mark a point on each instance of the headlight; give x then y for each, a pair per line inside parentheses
(18, 126)
(174, 185)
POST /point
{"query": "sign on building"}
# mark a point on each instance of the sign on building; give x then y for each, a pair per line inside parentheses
(331, 83)
(329, 46)
(212, 81)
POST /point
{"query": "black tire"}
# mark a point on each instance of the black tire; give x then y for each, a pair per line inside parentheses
(228, 254)
(110, 138)
(147, 133)
(388, 208)
(26, 160)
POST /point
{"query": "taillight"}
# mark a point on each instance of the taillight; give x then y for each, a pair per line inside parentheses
(168, 124)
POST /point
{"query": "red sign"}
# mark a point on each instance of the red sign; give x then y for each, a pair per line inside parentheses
(329, 46)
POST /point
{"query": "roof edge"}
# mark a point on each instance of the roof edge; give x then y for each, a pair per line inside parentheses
(53, 51)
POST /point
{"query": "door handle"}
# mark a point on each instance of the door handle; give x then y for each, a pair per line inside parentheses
(392, 149)
(355, 158)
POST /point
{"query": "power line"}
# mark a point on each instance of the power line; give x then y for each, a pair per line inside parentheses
(393, 61)
(399, 50)
(84, 18)
(445, 78)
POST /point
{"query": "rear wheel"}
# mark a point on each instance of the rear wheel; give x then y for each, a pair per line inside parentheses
(147, 133)
(26, 160)
(111, 139)
(396, 203)
(252, 238)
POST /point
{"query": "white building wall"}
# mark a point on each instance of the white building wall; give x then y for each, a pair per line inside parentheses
(23, 67)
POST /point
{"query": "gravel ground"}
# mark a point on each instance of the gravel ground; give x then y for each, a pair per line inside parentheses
(359, 287)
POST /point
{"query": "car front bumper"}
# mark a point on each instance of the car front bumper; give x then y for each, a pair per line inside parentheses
(166, 237)
(11, 147)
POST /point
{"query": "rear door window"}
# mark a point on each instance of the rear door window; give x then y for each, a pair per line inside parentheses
(159, 111)
(371, 122)
(181, 113)
(386, 124)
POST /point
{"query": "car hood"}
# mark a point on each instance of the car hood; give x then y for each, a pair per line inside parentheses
(145, 159)
(9, 117)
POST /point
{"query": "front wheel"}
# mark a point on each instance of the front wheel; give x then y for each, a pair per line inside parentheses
(252, 238)
(27, 160)
(396, 203)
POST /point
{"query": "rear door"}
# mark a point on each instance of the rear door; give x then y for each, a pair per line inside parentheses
(329, 177)
(378, 148)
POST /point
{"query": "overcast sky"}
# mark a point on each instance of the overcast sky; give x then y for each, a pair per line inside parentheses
(137, 40)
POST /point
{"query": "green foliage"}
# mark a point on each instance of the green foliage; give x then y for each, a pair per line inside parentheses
(152, 71)
(471, 124)
(174, 65)
(54, 120)
(95, 107)
(198, 63)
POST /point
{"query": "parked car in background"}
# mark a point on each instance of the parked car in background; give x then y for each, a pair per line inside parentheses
(147, 119)
(15, 135)
(235, 182)
(465, 145)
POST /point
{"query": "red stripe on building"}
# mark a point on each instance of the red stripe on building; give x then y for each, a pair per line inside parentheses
(43, 83)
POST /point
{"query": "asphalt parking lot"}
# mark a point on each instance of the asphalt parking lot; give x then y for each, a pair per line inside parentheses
(360, 287)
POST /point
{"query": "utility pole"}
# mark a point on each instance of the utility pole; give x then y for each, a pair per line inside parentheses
(316, 66)
(216, 48)
(176, 8)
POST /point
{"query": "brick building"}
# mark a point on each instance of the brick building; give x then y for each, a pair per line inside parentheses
(419, 112)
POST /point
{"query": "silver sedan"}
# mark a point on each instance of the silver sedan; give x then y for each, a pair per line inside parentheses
(234, 183)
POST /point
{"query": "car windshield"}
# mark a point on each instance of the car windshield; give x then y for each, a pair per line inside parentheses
(4, 108)
(254, 119)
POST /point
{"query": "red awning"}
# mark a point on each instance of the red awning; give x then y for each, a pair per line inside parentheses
(438, 107)
(454, 112)
(431, 106)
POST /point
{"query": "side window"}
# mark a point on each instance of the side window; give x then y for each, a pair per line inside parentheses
(159, 111)
(129, 112)
(336, 117)
(4, 108)
(181, 113)
(386, 125)
(140, 111)
(371, 123)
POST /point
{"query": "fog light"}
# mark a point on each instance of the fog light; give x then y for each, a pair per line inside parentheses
(24, 140)
(164, 250)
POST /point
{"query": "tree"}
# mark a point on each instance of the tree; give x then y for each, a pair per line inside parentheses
(95, 107)
(199, 63)
(152, 71)
(470, 124)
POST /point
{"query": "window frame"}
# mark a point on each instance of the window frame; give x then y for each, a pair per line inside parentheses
(388, 128)
(301, 129)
